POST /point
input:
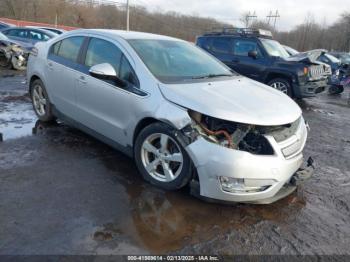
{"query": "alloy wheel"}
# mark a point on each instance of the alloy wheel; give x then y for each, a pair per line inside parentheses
(39, 100)
(280, 86)
(161, 157)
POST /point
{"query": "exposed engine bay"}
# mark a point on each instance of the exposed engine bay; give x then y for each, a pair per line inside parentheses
(238, 136)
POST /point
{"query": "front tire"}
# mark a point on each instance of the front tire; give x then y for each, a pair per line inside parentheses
(282, 85)
(160, 158)
(41, 102)
(335, 90)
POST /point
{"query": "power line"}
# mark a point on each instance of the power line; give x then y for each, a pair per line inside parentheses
(274, 17)
(249, 17)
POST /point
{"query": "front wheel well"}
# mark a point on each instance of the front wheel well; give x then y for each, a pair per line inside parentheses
(272, 76)
(141, 125)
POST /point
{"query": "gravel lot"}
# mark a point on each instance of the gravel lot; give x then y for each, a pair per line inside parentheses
(63, 192)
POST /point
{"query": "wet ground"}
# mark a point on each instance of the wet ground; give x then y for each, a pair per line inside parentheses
(63, 192)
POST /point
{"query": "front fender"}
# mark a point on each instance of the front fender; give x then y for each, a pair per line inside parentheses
(173, 115)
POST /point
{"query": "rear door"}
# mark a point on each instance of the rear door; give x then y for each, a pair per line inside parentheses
(102, 105)
(242, 63)
(61, 73)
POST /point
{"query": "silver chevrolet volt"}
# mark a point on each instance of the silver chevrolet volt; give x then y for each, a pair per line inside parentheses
(186, 118)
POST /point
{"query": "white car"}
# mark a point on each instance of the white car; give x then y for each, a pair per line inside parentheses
(184, 116)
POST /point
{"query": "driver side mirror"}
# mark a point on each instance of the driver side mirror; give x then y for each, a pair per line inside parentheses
(253, 54)
(107, 72)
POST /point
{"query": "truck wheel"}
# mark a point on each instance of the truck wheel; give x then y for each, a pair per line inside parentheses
(335, 90)
(160, 158)
(282, 85)
(41, 102)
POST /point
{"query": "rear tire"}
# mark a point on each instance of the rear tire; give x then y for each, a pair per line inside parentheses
(41, 102)
(161, 159)
(282, 85)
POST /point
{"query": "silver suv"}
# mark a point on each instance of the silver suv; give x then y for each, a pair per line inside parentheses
(184, 116)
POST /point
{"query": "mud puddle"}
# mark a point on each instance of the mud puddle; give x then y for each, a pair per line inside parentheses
(17, 117)
(164, 222)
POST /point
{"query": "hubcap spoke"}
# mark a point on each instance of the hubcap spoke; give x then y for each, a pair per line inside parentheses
(164, 142)
(149, 147)
(176, 157)
(153, 165)
(169, 175)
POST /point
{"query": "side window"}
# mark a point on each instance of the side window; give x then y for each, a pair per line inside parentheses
(221, 45)
(243, 47)
(100, 51)
(70, 47)
(17, 33)
(46, 37)
(126, 72)
(54, 48)
(204, 42)
(35, 35)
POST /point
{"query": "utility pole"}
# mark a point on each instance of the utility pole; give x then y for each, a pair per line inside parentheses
(250, 17)
(127, 15)
(274, 17)
(56, 20)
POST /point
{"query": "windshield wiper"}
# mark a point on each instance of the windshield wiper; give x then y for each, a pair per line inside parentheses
(210, 76)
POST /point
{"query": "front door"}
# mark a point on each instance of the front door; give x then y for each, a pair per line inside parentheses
(102, 105)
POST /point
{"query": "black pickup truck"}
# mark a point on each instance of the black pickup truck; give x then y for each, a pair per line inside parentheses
(253, 53)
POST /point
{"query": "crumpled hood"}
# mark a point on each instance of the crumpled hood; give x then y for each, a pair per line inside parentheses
(25, 46)
(309, 56)
(237, 99)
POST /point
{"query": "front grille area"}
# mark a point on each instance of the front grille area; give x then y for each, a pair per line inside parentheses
(317, 71)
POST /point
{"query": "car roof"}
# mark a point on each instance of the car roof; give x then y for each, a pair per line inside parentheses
(45, 28)
(32, 28)
(127, 35)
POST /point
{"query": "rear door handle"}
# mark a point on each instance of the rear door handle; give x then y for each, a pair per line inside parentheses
(82, 80)
(235, 60)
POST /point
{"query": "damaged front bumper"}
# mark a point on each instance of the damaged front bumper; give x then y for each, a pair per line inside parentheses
(231, 175)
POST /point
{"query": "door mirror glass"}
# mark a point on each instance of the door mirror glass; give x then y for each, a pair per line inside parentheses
(253, 54)
(106, 71)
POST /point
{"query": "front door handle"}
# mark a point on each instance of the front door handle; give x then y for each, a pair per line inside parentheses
(235, 60)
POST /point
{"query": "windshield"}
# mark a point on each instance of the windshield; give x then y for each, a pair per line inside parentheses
(273, 48)
(175, 61)
(291, 51)
(3, 37)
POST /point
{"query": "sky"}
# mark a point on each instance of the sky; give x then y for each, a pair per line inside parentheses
(292, 12)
